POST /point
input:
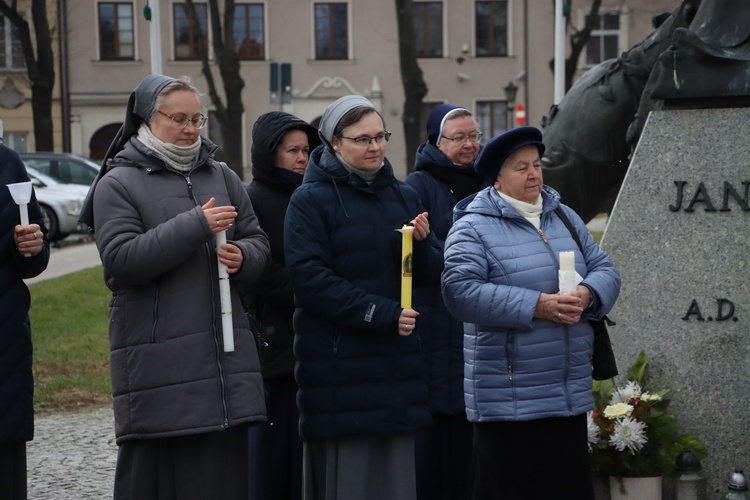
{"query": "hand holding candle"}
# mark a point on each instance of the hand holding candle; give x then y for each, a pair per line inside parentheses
(407, 243)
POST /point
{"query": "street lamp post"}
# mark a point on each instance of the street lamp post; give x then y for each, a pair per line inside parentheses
(510, 96)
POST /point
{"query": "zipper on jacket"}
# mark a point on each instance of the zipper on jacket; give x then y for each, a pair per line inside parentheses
(156, 311)
(544, 238)
(190, 188)
(217, 347)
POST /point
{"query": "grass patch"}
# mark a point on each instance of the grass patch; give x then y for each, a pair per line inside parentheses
(69, 317)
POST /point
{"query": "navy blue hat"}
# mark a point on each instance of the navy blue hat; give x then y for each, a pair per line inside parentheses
(436, 120)
(499, 148)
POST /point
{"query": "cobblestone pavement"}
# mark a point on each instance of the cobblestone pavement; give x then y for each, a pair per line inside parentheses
(72, 456)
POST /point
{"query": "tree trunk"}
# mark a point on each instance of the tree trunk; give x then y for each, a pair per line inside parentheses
(40, 68)
(229, 115)
(412, 80)
(578, 42)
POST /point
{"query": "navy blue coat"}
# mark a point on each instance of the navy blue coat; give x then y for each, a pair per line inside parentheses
(357, 376)
(16, 380)
(441, 184)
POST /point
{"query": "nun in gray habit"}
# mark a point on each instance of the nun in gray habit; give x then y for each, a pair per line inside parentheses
(362, 393)
(182, 402)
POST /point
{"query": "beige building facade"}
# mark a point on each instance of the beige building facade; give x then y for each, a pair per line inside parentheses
(472, 52)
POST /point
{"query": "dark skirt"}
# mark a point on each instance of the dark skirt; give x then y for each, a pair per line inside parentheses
(13, 471)
(275, 448)
(535, 459)
(443, 458)
(374, 468)
(210, 465)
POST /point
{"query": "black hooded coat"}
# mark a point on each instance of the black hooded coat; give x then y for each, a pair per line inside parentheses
(273, 299)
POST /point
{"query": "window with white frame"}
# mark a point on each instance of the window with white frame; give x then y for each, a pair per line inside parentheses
(17, 141)
(116, 31)
(186, 40)
(11, 51)
(428, 28)
(331, 31)
(248, 31)
(492, 118)
(604, 42)
(491, 28)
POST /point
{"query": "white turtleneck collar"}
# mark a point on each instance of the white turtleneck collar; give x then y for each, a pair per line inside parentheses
(532, 212)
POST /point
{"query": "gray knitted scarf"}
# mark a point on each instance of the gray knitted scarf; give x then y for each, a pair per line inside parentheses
(180, 158)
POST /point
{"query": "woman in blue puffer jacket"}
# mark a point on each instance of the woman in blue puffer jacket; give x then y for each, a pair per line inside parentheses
(527, 348)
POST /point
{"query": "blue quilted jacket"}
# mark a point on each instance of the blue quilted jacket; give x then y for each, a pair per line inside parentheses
(517, 367)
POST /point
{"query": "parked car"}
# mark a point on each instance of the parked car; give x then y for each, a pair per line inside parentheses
(61, 204)
(65, 167)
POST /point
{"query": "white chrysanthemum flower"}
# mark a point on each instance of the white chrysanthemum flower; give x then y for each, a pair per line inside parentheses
(629, 434)
(625, 394)
(618, 410)
(593, 431)
(650, 397)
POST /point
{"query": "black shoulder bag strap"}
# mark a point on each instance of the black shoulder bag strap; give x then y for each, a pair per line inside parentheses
(603, 358)
(225, 170)
(564, 218)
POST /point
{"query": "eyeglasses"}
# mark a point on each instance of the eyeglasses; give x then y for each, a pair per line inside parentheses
(364, 140)
(460, 139)
(179, 122)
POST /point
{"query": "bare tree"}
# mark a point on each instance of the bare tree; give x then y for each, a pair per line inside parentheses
(579, 38)
(412, 80)
(40, 66)
(229, 113)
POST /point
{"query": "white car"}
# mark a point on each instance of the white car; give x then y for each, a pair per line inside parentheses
(61, 204)
(64, 167)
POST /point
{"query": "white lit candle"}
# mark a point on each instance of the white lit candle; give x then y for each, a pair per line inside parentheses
(225, 298)
(568, 262)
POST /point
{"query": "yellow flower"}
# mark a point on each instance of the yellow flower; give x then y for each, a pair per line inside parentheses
(650, 397)
(618, 410)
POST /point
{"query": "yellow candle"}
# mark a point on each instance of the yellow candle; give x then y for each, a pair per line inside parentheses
(407, 235)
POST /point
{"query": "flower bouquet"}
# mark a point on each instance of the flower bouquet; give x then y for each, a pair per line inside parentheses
(630, 432)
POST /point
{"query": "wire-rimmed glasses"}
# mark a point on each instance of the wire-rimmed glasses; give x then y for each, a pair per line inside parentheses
(182, 122)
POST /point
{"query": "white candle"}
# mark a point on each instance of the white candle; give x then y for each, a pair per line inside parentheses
(225, 298)
(567, 262)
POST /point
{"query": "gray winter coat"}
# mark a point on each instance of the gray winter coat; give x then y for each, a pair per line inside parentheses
(170, 374)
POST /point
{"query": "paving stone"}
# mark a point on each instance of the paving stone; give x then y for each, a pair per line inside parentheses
(72, 456)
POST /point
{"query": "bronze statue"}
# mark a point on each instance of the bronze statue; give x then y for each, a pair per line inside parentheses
(590, 134)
